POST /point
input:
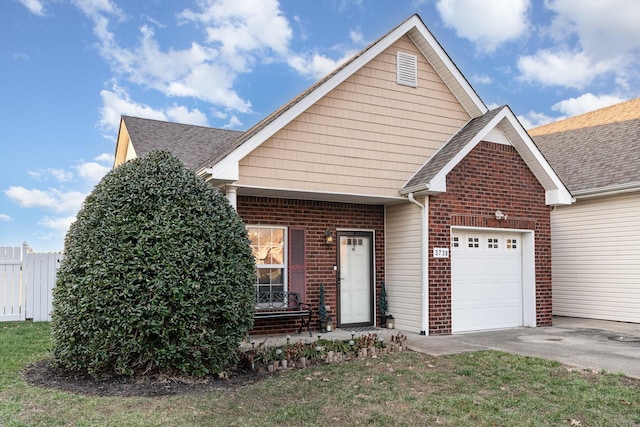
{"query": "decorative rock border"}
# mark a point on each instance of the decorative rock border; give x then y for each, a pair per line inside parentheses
(262, 357)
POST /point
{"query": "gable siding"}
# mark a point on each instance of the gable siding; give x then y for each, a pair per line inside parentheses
(367, 136)
(403, 227)
(596, 259)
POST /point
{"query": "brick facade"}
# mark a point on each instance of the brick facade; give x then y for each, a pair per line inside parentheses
(315, 217)
(492, 176)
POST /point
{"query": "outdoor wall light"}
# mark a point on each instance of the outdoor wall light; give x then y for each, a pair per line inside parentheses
(500, 215)
(328, 236)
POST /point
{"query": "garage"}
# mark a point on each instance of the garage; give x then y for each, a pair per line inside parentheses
(486, 280)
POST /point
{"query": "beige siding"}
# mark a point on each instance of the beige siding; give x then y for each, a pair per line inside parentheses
(367, 136)
(403, 265)
(596, 259)
(124, 147)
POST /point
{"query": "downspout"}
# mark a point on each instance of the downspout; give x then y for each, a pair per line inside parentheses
(425, 265)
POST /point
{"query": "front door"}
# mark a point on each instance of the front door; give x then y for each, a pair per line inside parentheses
(355, 280)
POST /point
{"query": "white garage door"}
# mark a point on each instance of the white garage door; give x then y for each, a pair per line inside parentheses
(486, 281)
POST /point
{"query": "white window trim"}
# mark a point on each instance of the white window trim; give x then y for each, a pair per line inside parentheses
(284, 266)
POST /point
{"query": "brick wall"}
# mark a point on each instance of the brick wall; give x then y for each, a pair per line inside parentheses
(315, 217)
(492, 176)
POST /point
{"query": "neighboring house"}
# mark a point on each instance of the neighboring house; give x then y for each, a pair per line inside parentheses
(419, 186)
(596, 241)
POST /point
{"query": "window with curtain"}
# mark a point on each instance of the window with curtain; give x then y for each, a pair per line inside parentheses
(268, 245)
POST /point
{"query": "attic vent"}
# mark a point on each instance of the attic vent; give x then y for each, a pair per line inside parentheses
(407, 69)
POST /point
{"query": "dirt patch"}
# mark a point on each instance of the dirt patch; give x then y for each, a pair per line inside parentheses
(44, 374)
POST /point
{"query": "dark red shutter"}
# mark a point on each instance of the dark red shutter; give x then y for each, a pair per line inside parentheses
(297, 270)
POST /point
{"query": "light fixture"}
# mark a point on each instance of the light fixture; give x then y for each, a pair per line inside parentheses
(328, 236)
(500, 215)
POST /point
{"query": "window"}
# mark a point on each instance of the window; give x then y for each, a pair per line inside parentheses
(512, 243)
(473, 242)
(492, 243)
(456, 242)
(268, 247)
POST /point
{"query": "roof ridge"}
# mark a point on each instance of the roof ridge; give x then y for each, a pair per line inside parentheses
(125, 116)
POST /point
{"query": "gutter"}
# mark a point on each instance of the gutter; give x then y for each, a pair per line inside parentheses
(611, 190)
(425, 267)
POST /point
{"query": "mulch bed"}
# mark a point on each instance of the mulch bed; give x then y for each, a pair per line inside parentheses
(43, 374)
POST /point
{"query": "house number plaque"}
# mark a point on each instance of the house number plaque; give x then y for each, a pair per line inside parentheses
(441, 252)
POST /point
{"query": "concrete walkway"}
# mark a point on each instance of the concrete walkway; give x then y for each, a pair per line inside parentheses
(583, 343)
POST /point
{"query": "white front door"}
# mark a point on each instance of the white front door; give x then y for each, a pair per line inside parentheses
(355, 281)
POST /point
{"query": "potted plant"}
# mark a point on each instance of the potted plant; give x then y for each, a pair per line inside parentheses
(326, 322)
(387, 319)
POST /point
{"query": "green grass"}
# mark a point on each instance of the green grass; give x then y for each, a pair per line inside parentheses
(407, 389)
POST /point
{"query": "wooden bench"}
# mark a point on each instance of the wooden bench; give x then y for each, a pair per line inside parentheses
(282, 304)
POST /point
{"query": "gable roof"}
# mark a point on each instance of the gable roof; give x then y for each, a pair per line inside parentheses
(597, 159)
(446, 154)
(224, 166)
(431, 178)
(188, 143)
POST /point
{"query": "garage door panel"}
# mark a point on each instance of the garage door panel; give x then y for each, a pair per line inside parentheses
(486, 288)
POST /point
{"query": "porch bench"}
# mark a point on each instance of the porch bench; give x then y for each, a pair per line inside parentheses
(283, 304)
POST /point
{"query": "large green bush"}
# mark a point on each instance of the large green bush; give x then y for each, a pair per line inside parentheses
(158, 276)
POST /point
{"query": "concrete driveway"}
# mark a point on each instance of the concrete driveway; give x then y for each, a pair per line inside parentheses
(584, 343)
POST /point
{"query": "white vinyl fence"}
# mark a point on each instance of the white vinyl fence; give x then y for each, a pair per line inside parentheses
(26, 283)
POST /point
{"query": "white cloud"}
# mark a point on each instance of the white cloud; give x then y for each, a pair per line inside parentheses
(606, 28)
(5, 217)
(117, 102)
(243, 29)
(181, 114)
(35, 6)
(92, 172)
(315, 66)
(105, 158)
(533, 119)
(95, 8)
(585, 103)
(60, 225)
(52, 199)
(59, 175)
(561, 68)
(487, 23)
(356, 36)
(593, 39)
(233, 123)
(482, 79)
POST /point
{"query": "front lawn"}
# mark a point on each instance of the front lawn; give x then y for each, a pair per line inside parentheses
(484, 388)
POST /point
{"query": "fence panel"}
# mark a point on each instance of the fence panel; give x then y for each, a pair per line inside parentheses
(39, 279)
(12, 296)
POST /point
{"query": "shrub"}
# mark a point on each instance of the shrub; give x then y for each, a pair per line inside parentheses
(158, 276)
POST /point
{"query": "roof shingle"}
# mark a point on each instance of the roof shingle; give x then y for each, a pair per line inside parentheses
(191, 144)
(615, 113)
(594, 157)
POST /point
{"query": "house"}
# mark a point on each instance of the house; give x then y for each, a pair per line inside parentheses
(390, 171)
(596, 240)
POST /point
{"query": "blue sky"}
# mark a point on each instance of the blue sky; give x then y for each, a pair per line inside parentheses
(70, 68)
